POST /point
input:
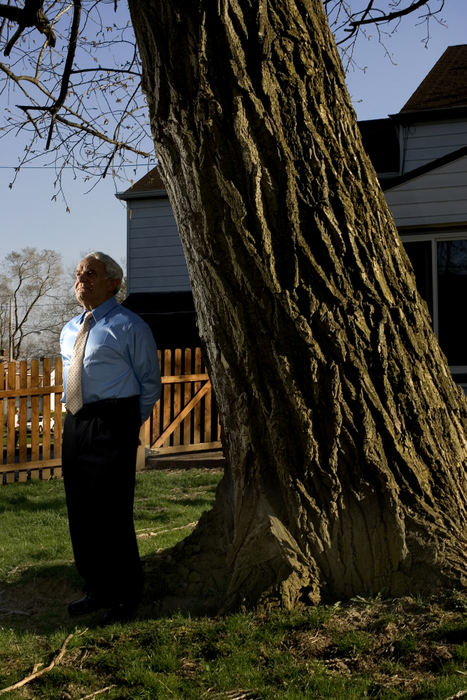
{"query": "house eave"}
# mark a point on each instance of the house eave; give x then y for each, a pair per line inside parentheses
(141, 194)
(427, 115)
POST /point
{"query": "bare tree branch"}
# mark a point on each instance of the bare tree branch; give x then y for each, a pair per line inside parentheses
(390, 16)
(31, 15)
(351, 18)
(93, 117)
(60, 101)
(84, 102)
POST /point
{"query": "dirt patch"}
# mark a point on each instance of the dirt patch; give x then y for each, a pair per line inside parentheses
(398, 643)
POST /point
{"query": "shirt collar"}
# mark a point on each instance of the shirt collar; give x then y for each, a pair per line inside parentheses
(101, 310)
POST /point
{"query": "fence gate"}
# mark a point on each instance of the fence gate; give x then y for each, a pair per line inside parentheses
(185, 419)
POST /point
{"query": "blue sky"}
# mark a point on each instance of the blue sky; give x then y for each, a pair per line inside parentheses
(97, 220)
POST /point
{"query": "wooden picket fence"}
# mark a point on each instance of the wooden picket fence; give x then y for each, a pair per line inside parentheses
(184, 420)
(32, 419)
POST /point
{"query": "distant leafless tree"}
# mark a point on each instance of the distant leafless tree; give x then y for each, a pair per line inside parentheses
(35, 300)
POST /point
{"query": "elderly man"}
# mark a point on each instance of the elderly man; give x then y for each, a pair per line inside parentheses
(111, 380)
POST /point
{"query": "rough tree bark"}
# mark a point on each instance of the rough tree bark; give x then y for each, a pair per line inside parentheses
(344, 435)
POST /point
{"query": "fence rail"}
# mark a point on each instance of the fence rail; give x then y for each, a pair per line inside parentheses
(184, 420)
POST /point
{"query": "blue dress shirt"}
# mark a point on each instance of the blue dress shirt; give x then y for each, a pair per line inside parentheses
(120, 359)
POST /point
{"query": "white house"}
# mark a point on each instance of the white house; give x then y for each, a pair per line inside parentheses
(420, 155)
(158, 284)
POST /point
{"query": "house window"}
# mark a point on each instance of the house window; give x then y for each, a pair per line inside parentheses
(440, 266)
(420, 256)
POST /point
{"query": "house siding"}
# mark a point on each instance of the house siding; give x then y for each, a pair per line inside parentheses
(156, 261)
(438, 197)
(424, 142)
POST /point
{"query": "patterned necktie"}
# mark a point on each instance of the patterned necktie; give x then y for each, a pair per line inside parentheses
(74, 396)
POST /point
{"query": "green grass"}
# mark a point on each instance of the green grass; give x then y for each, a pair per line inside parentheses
(407, 648)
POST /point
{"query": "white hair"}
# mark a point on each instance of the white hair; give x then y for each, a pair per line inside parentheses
(113, 271)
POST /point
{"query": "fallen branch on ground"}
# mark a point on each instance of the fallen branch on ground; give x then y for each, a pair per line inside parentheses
(37, 674)
(98, 692)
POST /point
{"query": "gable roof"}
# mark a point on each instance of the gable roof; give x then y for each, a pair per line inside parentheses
(148, 186)
(445, 85)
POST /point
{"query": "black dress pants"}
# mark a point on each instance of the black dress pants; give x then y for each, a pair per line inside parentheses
(99, 464)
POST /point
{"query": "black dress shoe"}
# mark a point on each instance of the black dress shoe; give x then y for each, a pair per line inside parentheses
(121, 612)
(84, 606)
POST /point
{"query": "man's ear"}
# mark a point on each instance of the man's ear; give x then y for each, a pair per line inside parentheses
(115, 285)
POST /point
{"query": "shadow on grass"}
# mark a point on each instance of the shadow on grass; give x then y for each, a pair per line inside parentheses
(36, 601)
(201, 503)
(28, 502)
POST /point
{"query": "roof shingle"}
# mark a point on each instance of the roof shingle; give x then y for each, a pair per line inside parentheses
(445, 85)
(150, 181)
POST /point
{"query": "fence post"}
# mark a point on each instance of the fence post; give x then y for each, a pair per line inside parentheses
(11, 411)
(35, 442)
(144, 442)
(23, 413)
(57, 430)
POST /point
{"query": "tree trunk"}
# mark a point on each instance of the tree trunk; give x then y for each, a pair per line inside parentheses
(344, 435)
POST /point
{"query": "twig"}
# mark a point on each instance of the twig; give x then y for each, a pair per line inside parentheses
(36, 674)
(147, 532)
(460, 694)
(98, 692)
(388, 17)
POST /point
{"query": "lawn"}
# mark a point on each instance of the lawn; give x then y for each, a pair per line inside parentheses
(407, 648)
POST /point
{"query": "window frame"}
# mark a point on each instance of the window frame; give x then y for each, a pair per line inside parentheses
(434, 237)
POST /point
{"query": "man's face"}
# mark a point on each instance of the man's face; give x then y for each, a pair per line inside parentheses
(92, 287)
